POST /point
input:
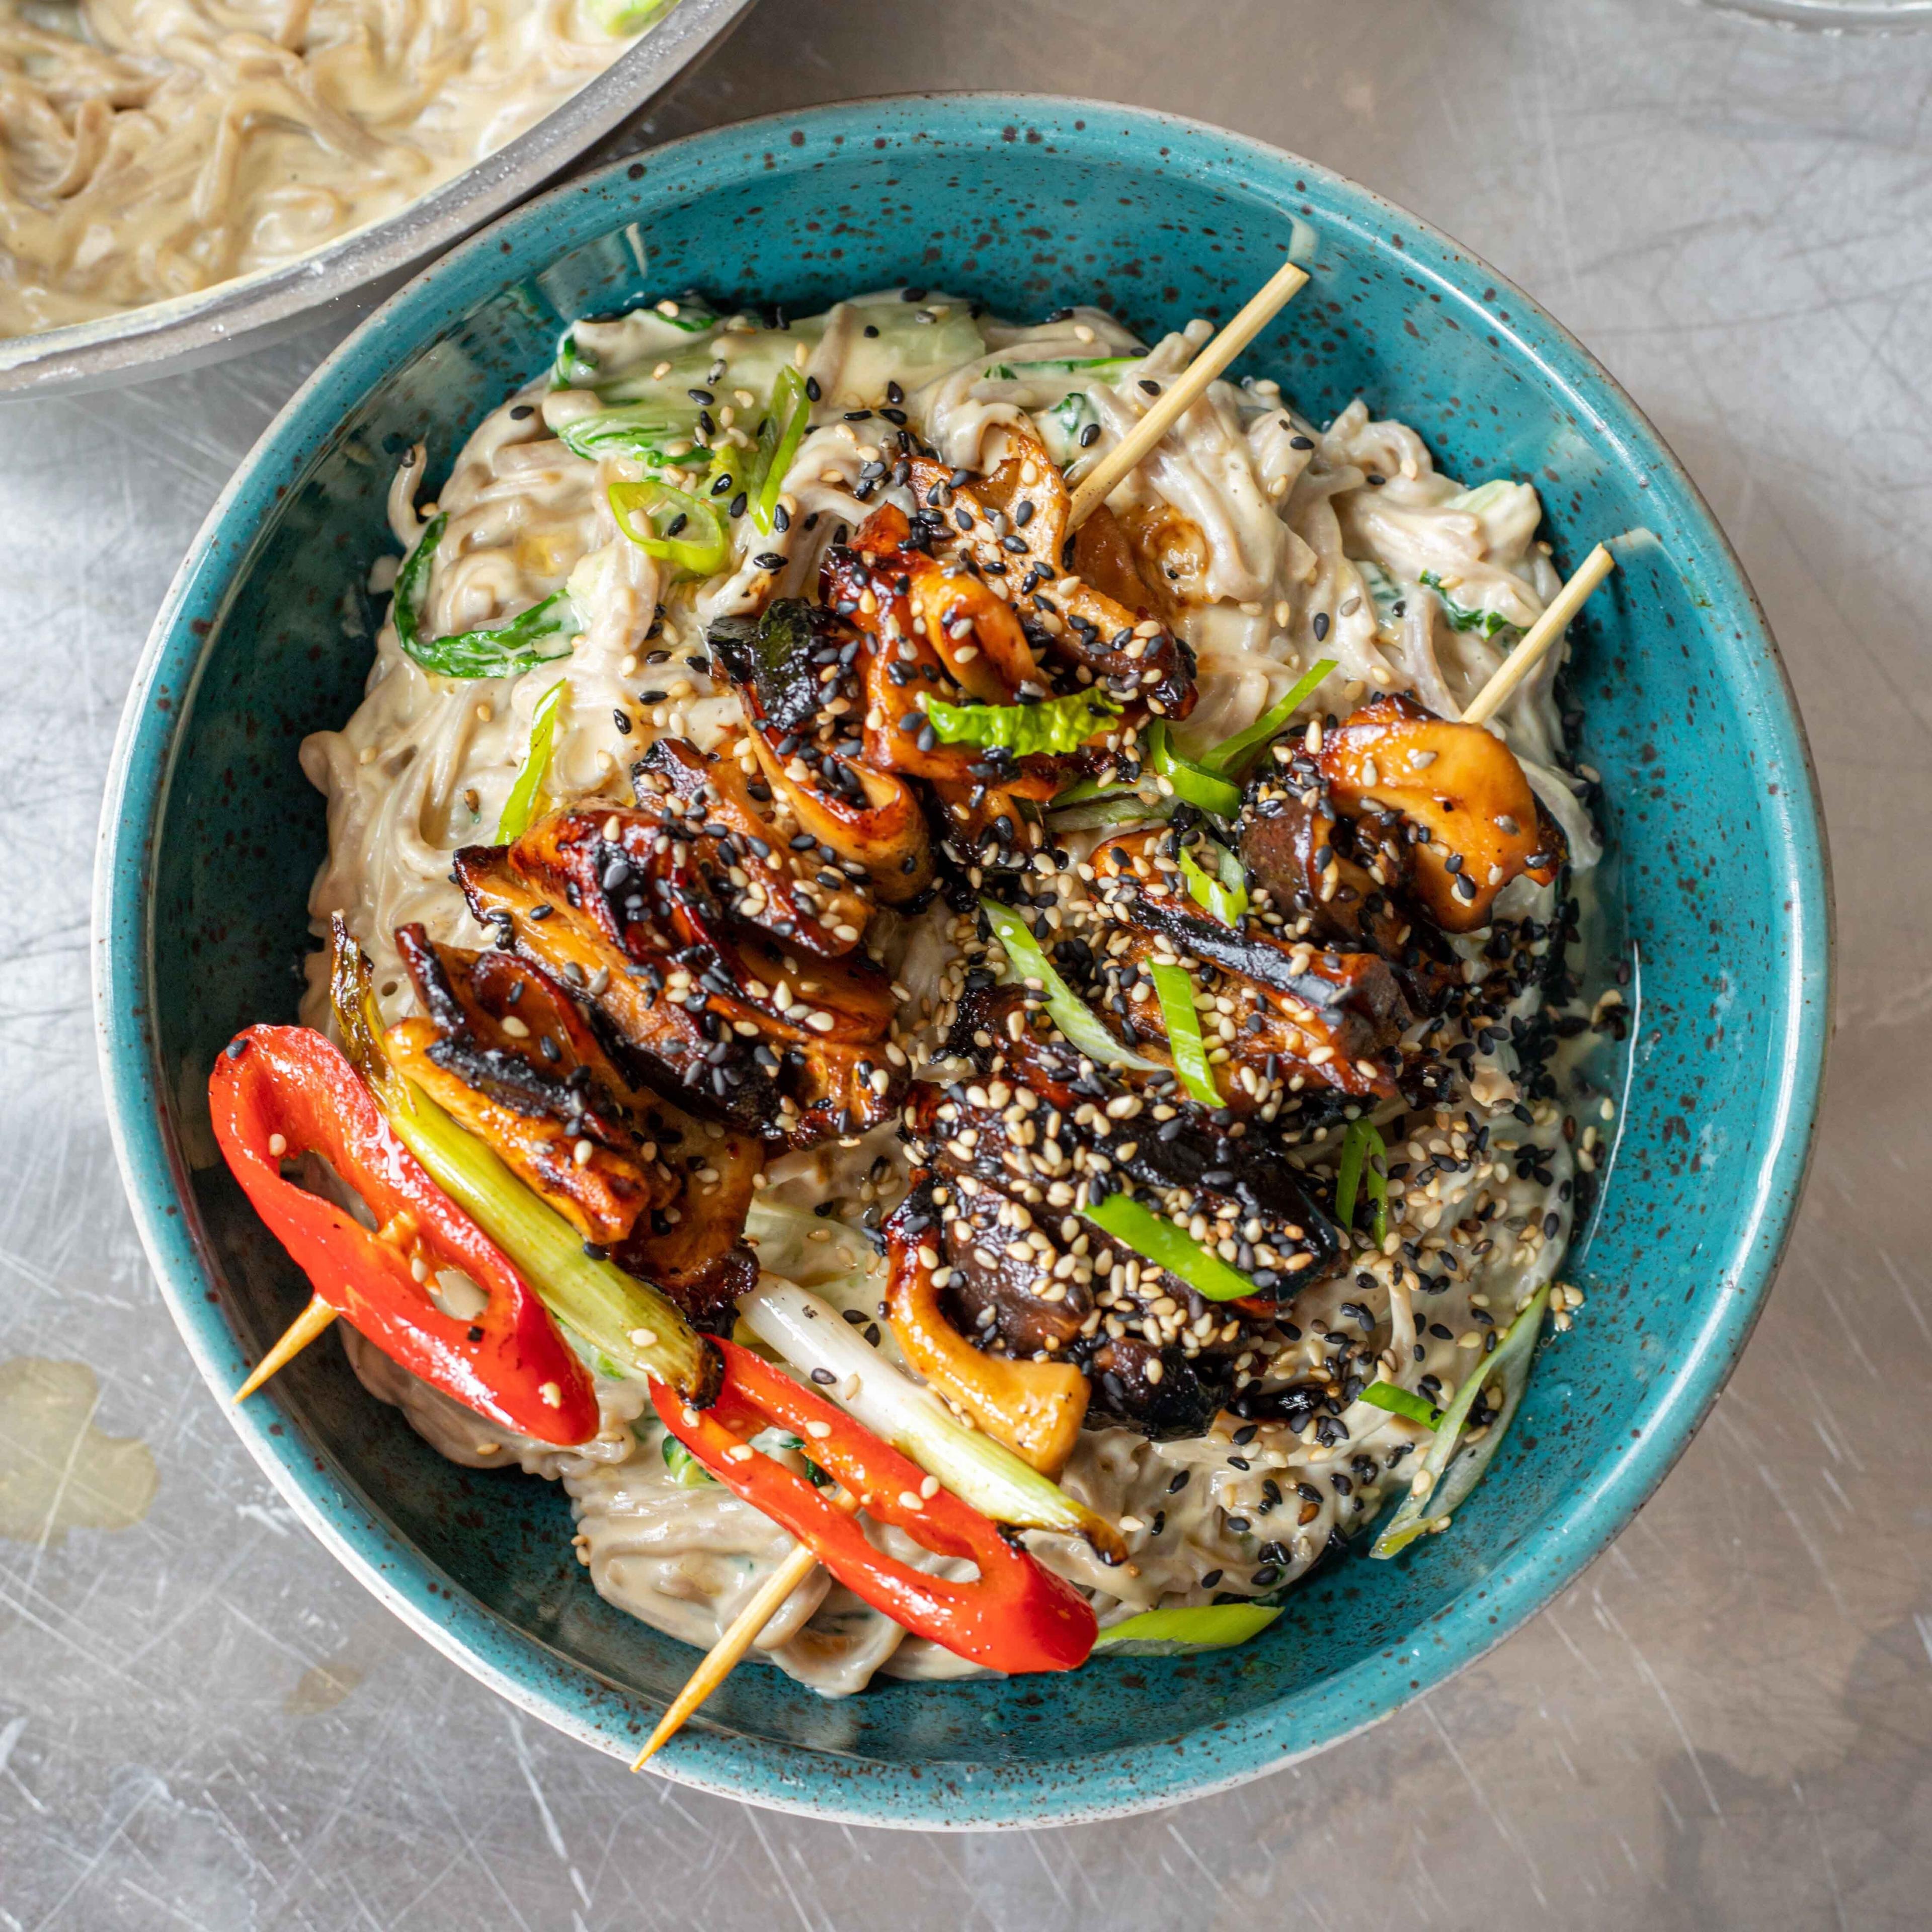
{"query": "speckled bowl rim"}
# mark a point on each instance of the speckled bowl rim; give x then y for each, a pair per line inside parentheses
(947, 1796)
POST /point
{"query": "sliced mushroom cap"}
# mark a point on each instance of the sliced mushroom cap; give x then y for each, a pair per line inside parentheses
(505, 1050)
(714, 1012)
(745, 851)
(1014, 521)
(1034, 1407)
(1336, 1018)
(805, 660)
(1459, 785)
(1163, 1392)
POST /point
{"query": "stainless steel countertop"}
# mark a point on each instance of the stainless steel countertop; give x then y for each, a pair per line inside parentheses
(1728, 1723)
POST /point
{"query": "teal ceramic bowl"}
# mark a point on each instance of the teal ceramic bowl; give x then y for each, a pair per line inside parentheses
(1717, 876)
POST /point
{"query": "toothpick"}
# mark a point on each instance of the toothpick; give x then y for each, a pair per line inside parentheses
(1181, 394)
(723, 1656)
(1541, 638)
(300, 1333)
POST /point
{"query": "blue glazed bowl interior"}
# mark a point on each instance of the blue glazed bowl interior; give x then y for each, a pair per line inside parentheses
(1716, 877)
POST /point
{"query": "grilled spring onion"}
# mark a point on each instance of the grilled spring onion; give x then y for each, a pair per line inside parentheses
(810, 1335)
(1224, 893)
(1402, 1402)
(622, 1318)
(1075, 1019)
(519, 807)
(1232, 756)
(1463, 616)
(1363, 1153)
(1175, 990)
(1176, 1632)
(503, 650)
(673, 524)
(1160, 1241)
(1430, 1511)
(1054, 724)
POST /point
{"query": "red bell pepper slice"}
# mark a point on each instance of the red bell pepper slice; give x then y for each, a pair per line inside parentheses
(511, 1364)
(1015, 1616)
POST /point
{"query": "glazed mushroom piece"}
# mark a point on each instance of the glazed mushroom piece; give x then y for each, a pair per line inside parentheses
(1019, 1272)
(653, 911)
(509, 1052)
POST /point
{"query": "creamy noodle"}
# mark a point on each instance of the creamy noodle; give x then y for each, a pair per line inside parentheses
(153, 148)
(1280, 544)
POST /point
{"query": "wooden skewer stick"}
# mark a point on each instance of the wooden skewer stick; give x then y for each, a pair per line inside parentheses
(300, 1333)
(723, 1656)
(1538, 641)
(1183, 393)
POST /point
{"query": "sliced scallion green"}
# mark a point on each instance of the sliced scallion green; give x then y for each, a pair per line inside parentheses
(1184, 1041)
(673, 524)
(1074, 1018)
(1160, 1241)
(521, 806)
(1175, 1632)
(1364, 1156)
(1223, 892)
(1232, 756)
(1192, 783)
(1424, 1509)
(779, 436)
(1402, 1402)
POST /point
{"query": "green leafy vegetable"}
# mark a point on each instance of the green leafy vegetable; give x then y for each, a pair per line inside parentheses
(683, 529)
(1193, 783)
(1175, 1632)
(1402, 1402)
(1430, 1509)
(1074, 1018)
(1363, 1154)
(1054, 724)
(502, 650)
(1384, 591)
(1160, 1241)
(1176, 992)
(686, 1471)
(779, 436)
(1224, 893)
(521, 805)
(1232, 756)
(1064, 365)
(645, 432)
(1463, 616)
(1122, 805)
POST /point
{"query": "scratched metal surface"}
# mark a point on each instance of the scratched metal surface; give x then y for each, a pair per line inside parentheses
(1727, 1723)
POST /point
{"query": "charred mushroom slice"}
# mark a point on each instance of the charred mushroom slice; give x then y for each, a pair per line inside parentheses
(1044, 1119)
(793, 665)
(1477, 823)
(1164, 1394)
(746, 855)
(716, 1013)
(1337, 1018)
(505, 1050)
(693, 1248)
(1034, 1407)
(1013, 520)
